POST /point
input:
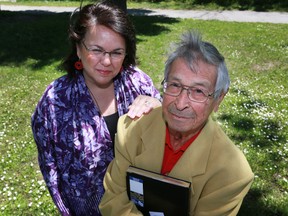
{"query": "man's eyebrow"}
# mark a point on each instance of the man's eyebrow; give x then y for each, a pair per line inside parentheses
(205, 84)
(197, 83)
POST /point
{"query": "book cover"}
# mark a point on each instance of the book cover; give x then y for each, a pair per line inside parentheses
(157, 195)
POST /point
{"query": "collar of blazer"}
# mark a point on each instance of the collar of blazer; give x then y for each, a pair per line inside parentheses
(192, 163)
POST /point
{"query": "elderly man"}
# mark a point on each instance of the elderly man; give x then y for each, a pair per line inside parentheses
(181, 139)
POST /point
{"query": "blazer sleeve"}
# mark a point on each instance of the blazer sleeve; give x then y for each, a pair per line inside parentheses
(229, 199)
(228, 179)
(115, 201)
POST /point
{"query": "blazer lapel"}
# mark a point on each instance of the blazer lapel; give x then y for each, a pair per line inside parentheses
(153, 139)
(192, 163)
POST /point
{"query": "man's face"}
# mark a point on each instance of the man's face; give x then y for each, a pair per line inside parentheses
(182, 114)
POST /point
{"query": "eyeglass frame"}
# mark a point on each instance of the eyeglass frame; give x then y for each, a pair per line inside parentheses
(188, 89)
(104, 52)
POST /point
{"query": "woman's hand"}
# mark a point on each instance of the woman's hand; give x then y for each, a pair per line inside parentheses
(142, 105)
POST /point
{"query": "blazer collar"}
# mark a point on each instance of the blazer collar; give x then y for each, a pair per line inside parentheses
(192, 163)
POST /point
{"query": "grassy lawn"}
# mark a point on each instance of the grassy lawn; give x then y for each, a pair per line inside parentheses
(254, 113)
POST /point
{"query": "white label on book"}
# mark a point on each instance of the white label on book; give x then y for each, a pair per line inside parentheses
(136, 191)
(136, 185)
(156, 213)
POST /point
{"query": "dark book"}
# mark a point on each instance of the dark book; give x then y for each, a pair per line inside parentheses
(157, 195)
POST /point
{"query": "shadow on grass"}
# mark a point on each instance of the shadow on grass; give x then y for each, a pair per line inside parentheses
(38, 36)
(245, 130)
(244, 125)
(42, 36)
(256, 5)
(261, 133)
(252, 205)
(253, 202)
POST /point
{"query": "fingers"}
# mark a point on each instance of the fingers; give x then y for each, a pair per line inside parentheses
(137, 109)
(142, 105)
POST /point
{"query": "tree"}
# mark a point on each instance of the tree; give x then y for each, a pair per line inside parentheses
(121, 3)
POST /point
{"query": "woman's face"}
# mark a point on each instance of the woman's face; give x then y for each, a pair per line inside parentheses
(102, 52)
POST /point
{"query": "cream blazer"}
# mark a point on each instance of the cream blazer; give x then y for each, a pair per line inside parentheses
(218, 170)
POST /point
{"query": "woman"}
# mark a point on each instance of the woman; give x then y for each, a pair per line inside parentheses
(75, 120)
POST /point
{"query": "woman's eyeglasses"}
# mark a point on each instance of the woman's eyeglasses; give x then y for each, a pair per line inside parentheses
(98, 52)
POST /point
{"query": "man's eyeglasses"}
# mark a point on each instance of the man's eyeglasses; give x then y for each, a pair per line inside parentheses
(194, 94)
(98, 52)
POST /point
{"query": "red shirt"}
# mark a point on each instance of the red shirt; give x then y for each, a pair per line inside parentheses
(170, 156)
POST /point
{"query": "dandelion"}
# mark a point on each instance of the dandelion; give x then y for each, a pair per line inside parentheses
(40, 182)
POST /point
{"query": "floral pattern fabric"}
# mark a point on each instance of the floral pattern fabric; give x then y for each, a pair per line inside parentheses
(73, 141)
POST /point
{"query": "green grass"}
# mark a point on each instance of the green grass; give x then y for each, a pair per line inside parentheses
(254, 113)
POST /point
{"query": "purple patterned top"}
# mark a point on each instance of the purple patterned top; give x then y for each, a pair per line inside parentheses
(74, 144)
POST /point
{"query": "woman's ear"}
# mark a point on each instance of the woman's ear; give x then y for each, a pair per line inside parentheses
(78, 49)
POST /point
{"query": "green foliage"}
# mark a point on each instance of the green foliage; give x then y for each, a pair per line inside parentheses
(254, 113)
(257, 5)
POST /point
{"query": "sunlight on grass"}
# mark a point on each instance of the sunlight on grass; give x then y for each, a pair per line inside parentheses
(22, 189)
(254, 113)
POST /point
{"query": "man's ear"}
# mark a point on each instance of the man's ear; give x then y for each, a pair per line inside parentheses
(219, 100)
